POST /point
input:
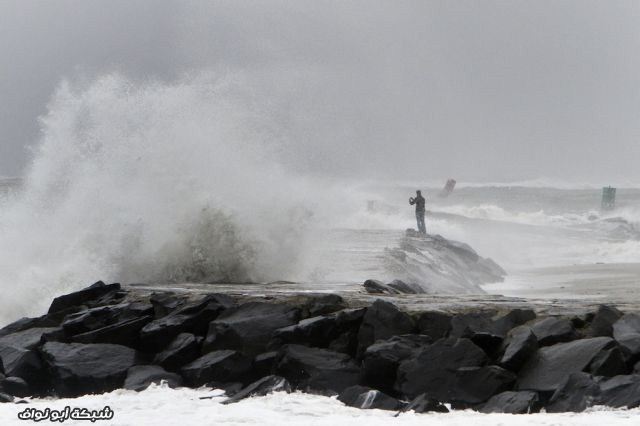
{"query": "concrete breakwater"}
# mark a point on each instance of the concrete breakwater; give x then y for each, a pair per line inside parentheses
(369, 350)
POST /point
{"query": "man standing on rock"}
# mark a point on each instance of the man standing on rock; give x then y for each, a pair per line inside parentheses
(419, 202)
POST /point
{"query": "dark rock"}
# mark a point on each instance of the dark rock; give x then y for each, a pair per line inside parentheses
(25, 323)
(552, 330)
(433, 369)
(27, 339)
(382, 321)
(262, 387)
(249, 327)
(602, 323)
(190, 318)
(316, 331)
(576, 393)
(549, 367)
(264, 363)
(510, 402)
(378, 287)
(366, 398)
(79, 369)
(608, 363)
(512, 319)
(478, 384)
(626, 331)
(490, 343)
(15, 386)
(125, 333)
(140, 377)
(434, 324)
(423, 404)
(221, 366)
(23, 363)
(636, 368)
(5, 398)
(465, 325)
(520, 344)
(620, 391)
(381, 360)
(103, 316)
(317, 369)
(322, 304)
(92, 292)
(350, 321)
(406, 288)
(229, 388)
(165, 303)
(182, 350)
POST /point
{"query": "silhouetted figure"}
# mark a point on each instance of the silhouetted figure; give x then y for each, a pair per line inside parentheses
(419, 202)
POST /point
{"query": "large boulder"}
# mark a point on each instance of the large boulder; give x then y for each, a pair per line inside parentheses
(550, 331)
(367, 398)
(43, 321)
(15, 386)
(29, 338)
(24, 363)
(549, 367)
(78, 369)
(249, 327)
(125, 332)
(182, 350)
(219, 366)
(510, 402)
(321, 304)
(520, 345)
(381, 360)
(576, 394)
(140, 377)
(514, 318)
(620, 391)
(316, 369)
(192, 317)
(434, 324)
(424, 404)
(478, 384)
(603, 320)
(466, 324)
(626, 331)
(433, 370)
(317, 331)
(83, 296)
(264, 386)
(382, 321)
(608, 363)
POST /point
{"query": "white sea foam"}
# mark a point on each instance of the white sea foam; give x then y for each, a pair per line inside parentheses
(162, 406)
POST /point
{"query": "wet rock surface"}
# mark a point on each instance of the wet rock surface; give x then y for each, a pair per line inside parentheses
(373, 354)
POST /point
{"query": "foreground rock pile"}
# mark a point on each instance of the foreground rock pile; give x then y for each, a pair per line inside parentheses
(105, 337)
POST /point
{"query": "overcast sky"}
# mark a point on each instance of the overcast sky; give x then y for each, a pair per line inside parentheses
(478, 90)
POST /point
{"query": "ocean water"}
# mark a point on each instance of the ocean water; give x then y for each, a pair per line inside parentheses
(185, 183)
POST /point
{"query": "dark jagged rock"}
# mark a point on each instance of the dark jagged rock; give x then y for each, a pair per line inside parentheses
(101, 317)
(478, 384)
(514, 318)
(465, 325)
(15, 386)
(348, 320)
(79, 369)
(125, 333)
(182, 350)
(27, 339)
(80, 297)
(550, 366)
(433, 369)
(490, 343)
(264, 386)
(520, 345)
(406, 288)
(221, 366)
(381, 360)
(367, 398)
(626, 331)
(165, 303)
(608, 363)
(5, 398)
(140, 377)
(23, 363)
(434, 324)
(264, 363)
(603, 320)
(510, 402)
(190, 318)
(322, 304)
(317, 331)
(576, 393)
(423, 404)
(27, 323)
(382, 321)
(249, 327)
(620, 391)
(551, 330)
(378, 287)
(316, 369)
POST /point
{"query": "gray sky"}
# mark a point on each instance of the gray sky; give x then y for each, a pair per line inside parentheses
(478, 90)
